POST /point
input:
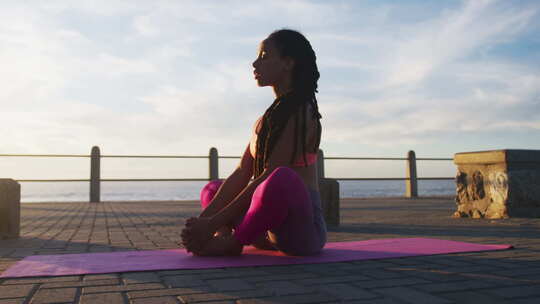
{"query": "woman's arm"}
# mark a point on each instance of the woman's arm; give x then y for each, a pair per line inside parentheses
(281, 155)
(232, 185)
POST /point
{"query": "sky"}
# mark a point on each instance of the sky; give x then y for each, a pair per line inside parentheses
(175, 78)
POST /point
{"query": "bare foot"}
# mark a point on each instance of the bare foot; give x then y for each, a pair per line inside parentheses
(223, 231)
(263, 243)
(221, 246)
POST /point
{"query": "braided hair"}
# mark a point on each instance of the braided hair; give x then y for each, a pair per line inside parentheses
(305, 75)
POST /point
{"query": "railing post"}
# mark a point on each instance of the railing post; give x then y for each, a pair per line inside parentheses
(10, 209)
(320, 164)
(213, 164)
(95, 175)
(411, 184)
(329, 191)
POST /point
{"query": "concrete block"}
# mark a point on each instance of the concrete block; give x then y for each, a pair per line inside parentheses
(498, 184)
(329, 189)
(10, 209)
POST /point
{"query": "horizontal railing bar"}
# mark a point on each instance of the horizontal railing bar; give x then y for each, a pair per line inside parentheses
(154, 179)
(368, 178)
(118, 180)
(367, 158)
(363, 158)
(433, 158)
(390, 178)
(43, 155)
(153, 156)
(50, 180)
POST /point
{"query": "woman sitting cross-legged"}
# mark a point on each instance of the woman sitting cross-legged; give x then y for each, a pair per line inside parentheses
(280, 209)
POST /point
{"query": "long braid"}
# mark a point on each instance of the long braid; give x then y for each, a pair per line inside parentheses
(264, 138)
(303, 136)
(295, 145)
(318, 117)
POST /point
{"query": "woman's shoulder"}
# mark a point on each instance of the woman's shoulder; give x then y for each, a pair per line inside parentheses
(257, 125)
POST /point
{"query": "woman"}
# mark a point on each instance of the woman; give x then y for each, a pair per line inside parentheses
(281, 208)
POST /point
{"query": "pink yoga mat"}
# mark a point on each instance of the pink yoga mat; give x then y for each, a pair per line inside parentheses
(93, 263)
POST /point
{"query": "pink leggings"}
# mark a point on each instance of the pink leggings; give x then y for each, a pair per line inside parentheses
(282, 205)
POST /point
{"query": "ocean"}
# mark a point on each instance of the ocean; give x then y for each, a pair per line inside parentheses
(32, 192)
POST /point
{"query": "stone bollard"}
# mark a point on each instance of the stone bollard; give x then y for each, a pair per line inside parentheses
(329, 189)
(10, 209)
(498, 184)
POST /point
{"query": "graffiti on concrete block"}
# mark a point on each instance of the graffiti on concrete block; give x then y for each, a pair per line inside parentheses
(498, 187)
(470, 189)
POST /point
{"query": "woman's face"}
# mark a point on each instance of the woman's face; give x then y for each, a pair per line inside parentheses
(270, 68)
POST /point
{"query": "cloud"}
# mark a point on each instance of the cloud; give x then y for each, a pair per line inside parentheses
(433, 76)
(453, 36)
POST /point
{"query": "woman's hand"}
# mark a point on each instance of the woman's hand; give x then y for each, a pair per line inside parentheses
(196, 233)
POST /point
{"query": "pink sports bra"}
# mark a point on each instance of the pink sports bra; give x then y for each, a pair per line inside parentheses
(311, 158)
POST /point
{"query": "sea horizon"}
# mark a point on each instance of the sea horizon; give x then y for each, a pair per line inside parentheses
(189, 190)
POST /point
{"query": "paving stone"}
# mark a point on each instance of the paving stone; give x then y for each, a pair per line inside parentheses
(369, 264)
(140, 277)
(282, 288)
(80, 283)
(450, 261)
(182, 281)
(282, 270)
(436, 276)
(168, 292)
(12, 301)
(245, 272)
(281, 277)
(454, 286)
(57, 295)
(469, 269)
(232, 273)
(534, 300)
(516, 291)
(373, 301)
(230, 284)
(382, 274)
(15, 291)
(531, 277)
(325, 269)
(107, 276)
(157, 300)
(222, 302)
(389, 282)
(120, 288)
(347, 292)
(293, 299)
(42, 280)
(472, 297)
(102, 298)
(189, 271)
(330, 280)
(232, 295)
(409, 295)
(518, 272)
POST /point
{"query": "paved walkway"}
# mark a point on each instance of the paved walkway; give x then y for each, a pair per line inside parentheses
(511, 276)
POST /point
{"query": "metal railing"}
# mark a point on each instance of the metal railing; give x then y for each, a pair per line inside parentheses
(411, 179)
